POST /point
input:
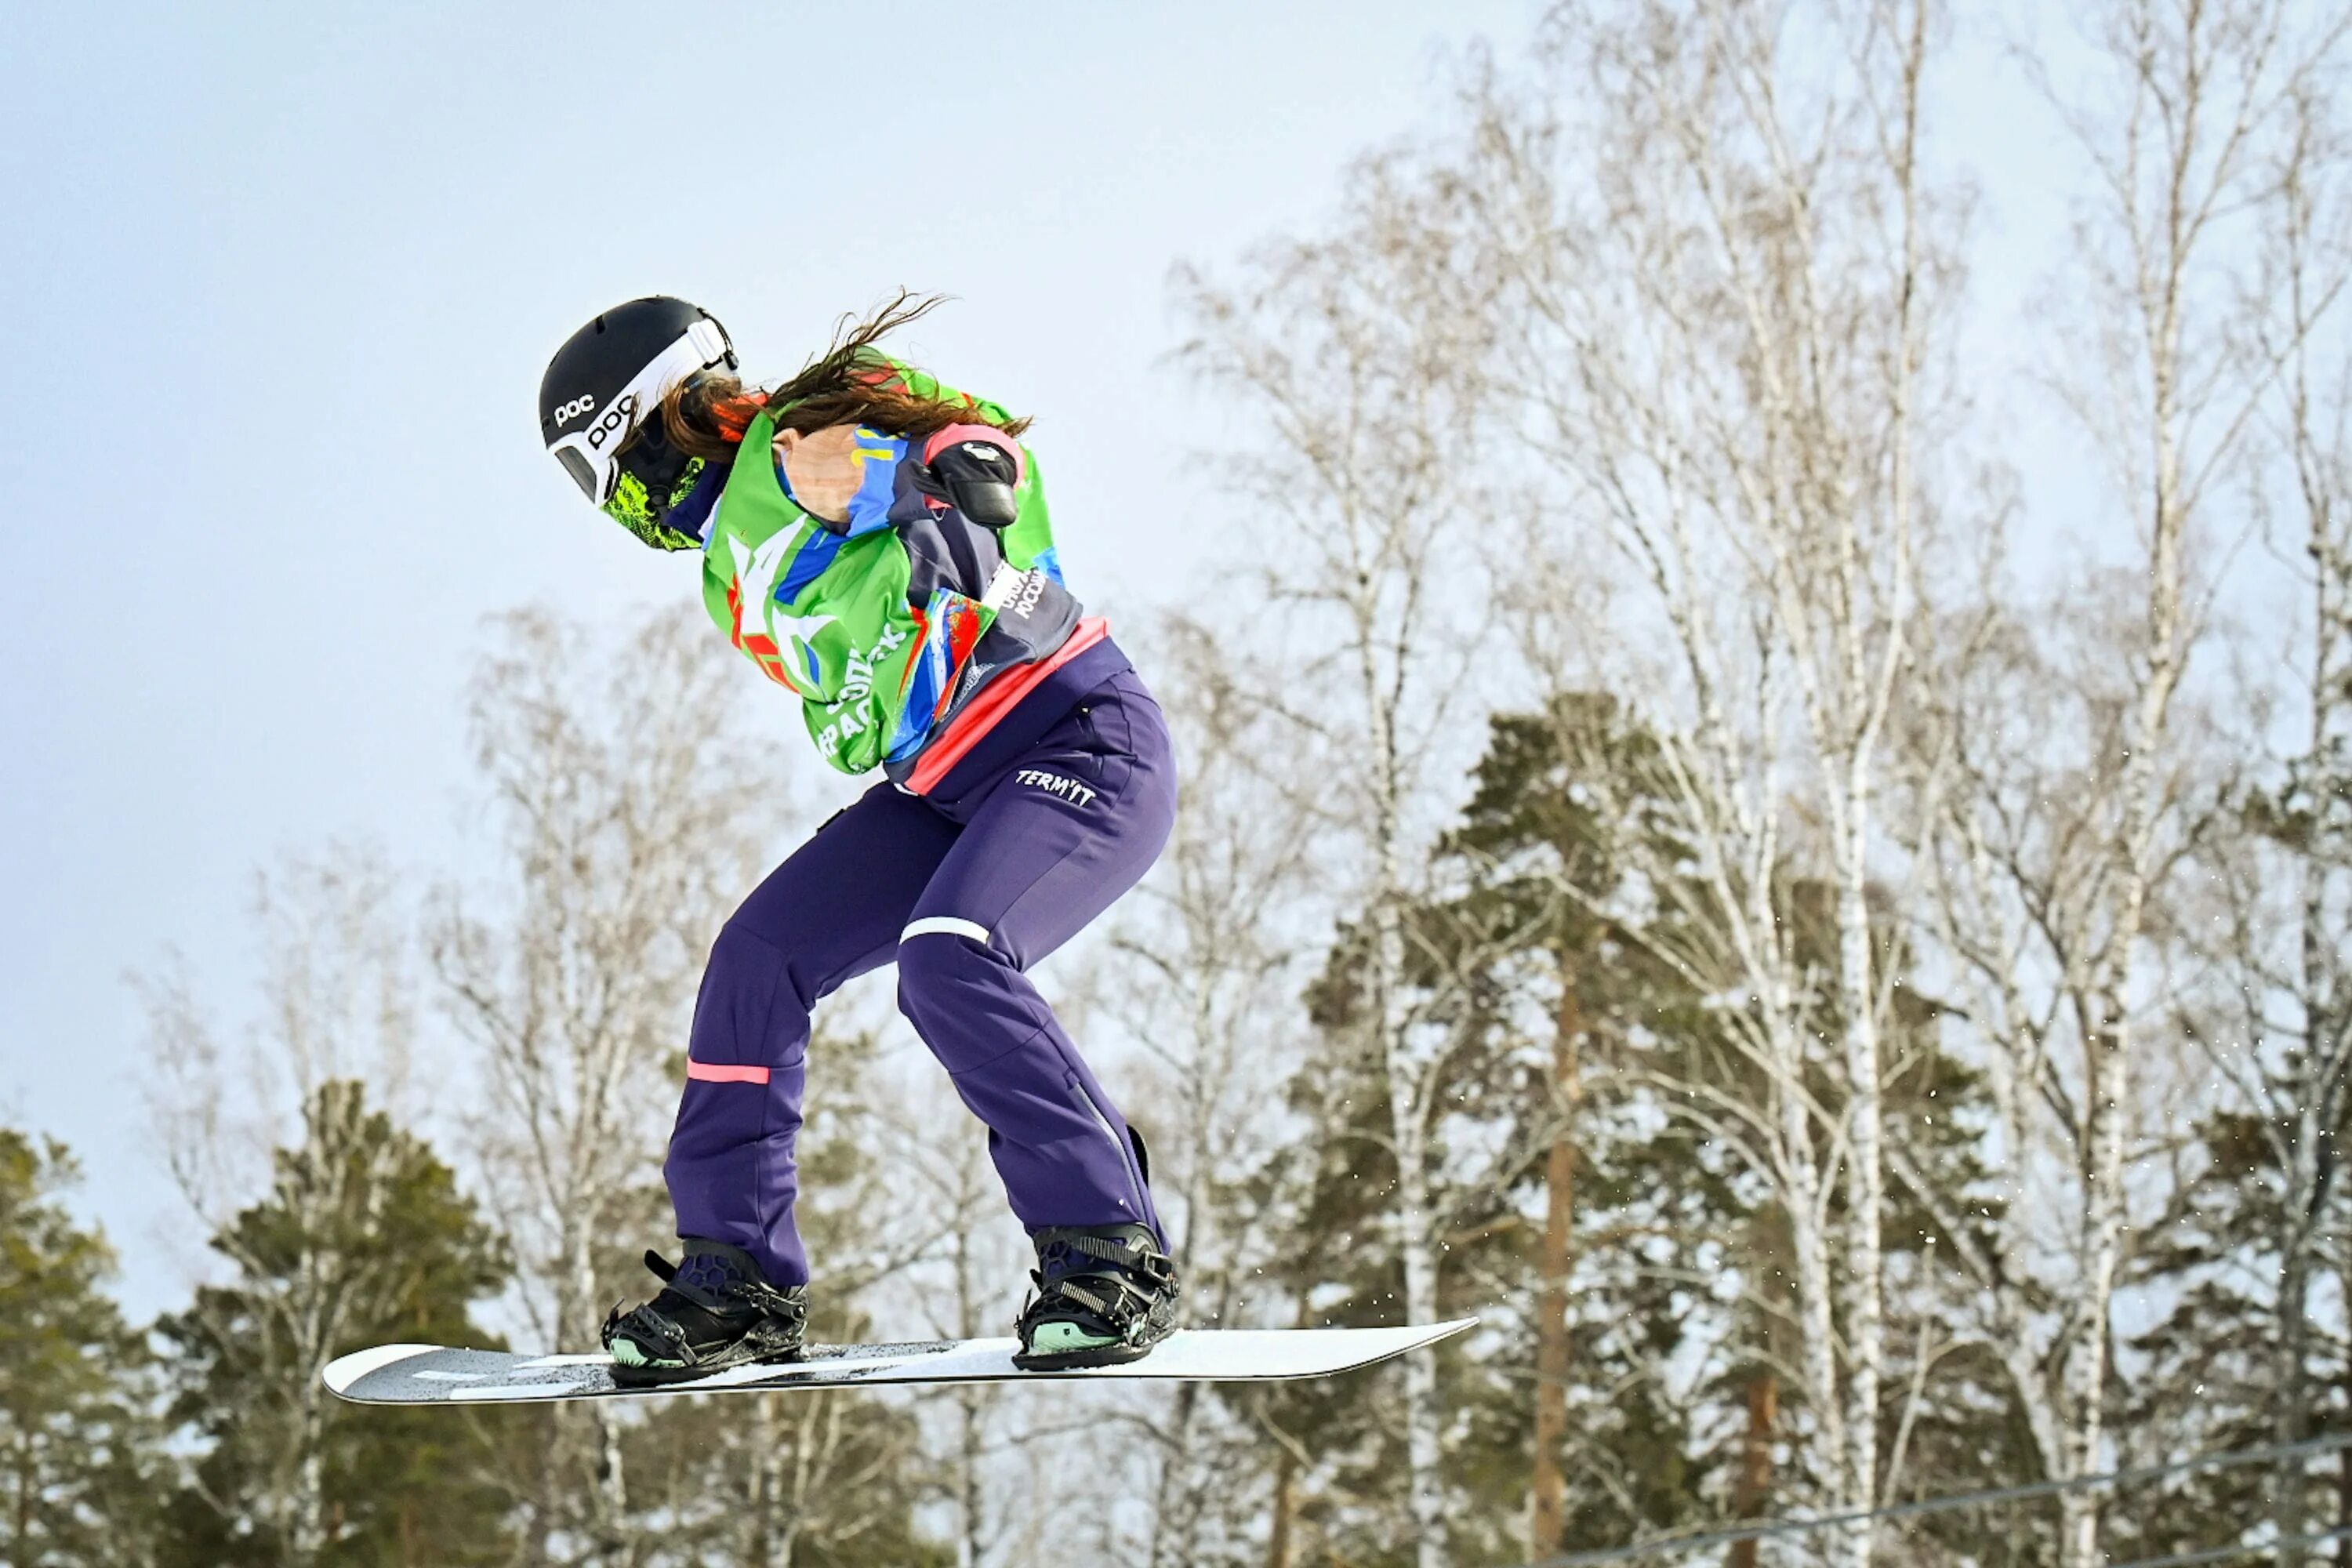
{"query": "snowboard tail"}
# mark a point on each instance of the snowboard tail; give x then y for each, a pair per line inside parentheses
(441, 1374)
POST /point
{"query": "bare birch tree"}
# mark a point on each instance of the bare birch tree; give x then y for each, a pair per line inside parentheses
(1204, 967)
(1355, 356)
(2067, 813)
(2203, 86)
(633, 816)
(2310, 268)
(953, 1249)
(961, 1182)
(336, 1001)
(1735, 295)
(2288, 880)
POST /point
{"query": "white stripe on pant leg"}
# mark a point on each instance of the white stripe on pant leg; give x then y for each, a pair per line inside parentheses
(945, 925)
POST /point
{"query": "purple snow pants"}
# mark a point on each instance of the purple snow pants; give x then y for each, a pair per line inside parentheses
(965, 889)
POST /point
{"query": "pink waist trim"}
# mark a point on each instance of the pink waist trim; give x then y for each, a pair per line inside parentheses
(997, 699)
(713, 1072)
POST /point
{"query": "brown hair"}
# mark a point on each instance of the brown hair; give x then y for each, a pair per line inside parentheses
(849, 383)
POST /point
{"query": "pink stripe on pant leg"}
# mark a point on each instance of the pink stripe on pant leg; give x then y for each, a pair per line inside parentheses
(712, 1072)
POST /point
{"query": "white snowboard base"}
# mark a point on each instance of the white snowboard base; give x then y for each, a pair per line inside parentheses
(437, 1375)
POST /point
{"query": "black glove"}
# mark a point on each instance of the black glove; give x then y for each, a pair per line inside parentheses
(977, 479)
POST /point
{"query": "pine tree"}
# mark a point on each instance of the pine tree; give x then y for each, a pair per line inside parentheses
(2207, 1369)
(1630, 1262)
(1573, 1223)
(79, 1454)
(363, 1239)
(1614, 1207)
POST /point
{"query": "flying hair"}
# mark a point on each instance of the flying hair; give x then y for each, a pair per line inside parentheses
(852, 382)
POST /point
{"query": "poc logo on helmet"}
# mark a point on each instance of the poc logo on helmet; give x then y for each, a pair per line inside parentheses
(615, 421)
(577, 406)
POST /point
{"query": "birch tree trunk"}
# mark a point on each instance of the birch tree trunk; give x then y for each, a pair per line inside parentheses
(2183, 168)
(971, 1429)
(767, 1479)
(1205, 995)
(1726, 276)
(1408, 1094)
(1360, 356)
(1286, 1505)
(2311, 264)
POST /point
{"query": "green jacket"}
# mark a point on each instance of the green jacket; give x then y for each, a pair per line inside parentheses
(885, 624)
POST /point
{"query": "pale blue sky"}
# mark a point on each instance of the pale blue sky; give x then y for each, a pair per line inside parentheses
(282, 280)
(280, 285)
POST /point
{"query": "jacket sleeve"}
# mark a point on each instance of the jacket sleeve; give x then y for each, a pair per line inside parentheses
(1030, 541)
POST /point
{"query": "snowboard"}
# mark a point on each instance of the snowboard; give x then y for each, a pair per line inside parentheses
(438, 1374)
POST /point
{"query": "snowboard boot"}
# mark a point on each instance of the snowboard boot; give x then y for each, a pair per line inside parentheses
(1106, 1294)
(715, 1310)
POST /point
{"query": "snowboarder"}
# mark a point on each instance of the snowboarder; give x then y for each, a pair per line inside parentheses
(877, 544)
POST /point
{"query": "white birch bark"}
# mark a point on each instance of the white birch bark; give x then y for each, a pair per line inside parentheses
(2179, 166)
(1730, 277)
(1210, 952)
(2045, 866)
(1357, 353)
(2309, 271)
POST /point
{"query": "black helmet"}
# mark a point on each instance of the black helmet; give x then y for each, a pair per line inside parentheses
(597, 401)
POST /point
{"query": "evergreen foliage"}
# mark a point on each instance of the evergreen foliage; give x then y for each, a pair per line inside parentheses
(362, 1239)
(78, 1444)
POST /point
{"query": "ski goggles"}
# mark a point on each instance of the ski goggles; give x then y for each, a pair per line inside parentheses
(592, 455)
